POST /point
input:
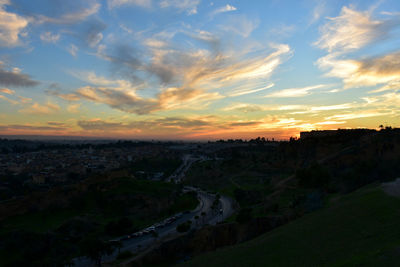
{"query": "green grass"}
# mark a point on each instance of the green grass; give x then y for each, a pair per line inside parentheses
(165, 165)
(224, 177)
(128, 185)
(359, 229)
(185, 202)
(38, 222)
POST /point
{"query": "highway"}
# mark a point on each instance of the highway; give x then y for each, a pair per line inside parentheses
(141, 243)
(204, 213)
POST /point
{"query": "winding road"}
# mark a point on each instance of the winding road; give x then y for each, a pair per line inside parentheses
(203, 214)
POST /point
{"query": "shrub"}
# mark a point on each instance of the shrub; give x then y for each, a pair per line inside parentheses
(184, 227)
(124, 255)
(244, 215)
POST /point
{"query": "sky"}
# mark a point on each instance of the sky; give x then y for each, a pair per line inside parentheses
(197, 69)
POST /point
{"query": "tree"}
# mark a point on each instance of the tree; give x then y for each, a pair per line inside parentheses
(117, 244)
(203, 216)
(184, 227)
(197, 219)
(154, 234)
(95, 249)
(244, 215)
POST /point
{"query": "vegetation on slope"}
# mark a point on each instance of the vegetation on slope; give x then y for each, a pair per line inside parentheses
(357, 229)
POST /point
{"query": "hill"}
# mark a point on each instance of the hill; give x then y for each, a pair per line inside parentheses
(360, 228)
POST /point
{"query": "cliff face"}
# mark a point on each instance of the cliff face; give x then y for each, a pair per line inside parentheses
(208, 238)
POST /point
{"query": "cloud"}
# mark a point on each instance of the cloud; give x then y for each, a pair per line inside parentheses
(117, 3)
(395, 85)
(383, 69)
(124, 101)
(365, 72)
(163, 124)
(15, 78)
(296, 92)
(7, 91)
(55, 123)
(8, 100)
(128, 101)
(39, 109)
(73, 50)
(73, 108)
(332, 107)
(30, 127)
(318, 11)
(93, 79)
(245, 108)
(250, 91)
(357, 115)
(181, 78)
(49, 37)
(68, 97)
(178, 98)
(70, 18)
(349, 32)
(24, 100)
(11, 27)
(190, 6)
(99, 125)
(244, 123)
(92, 34)
(352, 30)
(240, 24)
(181, 122)
(227, 8)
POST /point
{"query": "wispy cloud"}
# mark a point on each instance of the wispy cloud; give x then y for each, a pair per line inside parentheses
(223, 9)
(65, 96)
(118, 3)
(189, 6)
(73, 108)
(352, 30)
(318, 11)
(49, 37)
(125, 101)
(183, 77)
(250, 91)
(73, 50)
(240, 24)
(349, 32)
(11, 101)
(7, 91)
(296, 92)
(358, 115)
(39, 109)
(70, 18)
(23, 128)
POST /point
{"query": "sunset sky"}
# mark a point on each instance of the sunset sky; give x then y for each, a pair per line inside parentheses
(197, 69)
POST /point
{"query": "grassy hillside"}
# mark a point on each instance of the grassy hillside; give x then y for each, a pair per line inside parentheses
(358, 229)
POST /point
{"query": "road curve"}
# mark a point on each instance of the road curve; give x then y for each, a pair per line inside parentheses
(203, 212)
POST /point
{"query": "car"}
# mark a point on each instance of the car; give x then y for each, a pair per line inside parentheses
(221, 211)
